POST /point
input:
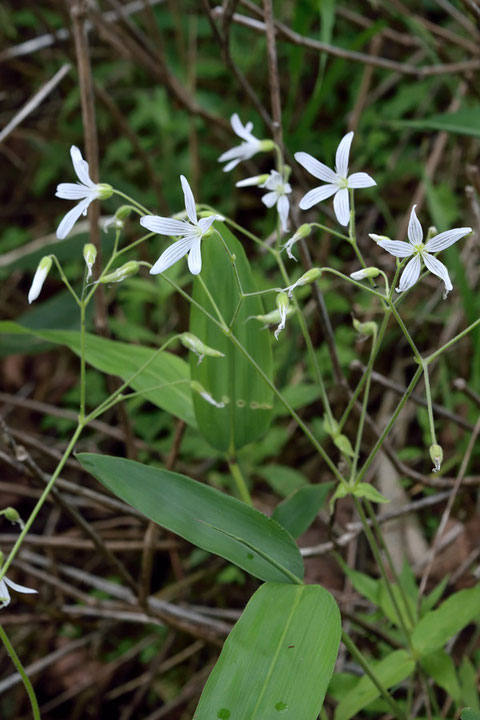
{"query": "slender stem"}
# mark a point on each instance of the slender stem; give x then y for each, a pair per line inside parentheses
(250, 235)
(390, 423)
(363, 662)
(131, 200)
(455, 339)
(235, 314)
(405, 332)
(65, 280)
(134, 244)
(242, 488)
(363, 412)
(428, 395)
(82, 361)
(376, 553)
(330, 231)
(26, 681)
(213, 303)
(41, 499)
(362, 286)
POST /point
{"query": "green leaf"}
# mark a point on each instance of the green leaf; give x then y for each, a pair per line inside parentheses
(284, 480)
(364, 584)
(122, 359)
(202, 515)
(248, 400)
(462, 122)
(470, 714)
(438, 626)
(468, 681)
(390, 671)
(385, 602)
(439, 665)
(371, 493)
(278, 659)
(298, 511)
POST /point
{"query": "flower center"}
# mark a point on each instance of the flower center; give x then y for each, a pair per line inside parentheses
(279, 189)
(419, 247)
(342, 182)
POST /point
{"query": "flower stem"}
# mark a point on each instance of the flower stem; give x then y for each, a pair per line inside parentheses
(82, 360)
(26, 681)
(242, 488)
(363, 412)
(428, 395)
(131, 200)
(451, 342)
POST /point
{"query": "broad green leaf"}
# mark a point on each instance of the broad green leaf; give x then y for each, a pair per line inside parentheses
(281, 478)
(440, 666)
(462, 122)
(390, 671)
(468, 681)
(385, 602)
(298, 511)
(361, 490)
(122, 359)
(202, 515)
(470, 714)
(278, 660)
(248, 400)
(438, 626)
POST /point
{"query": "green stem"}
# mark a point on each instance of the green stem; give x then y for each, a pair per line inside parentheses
(131, 200)
(363, 662)
(41, 500)
(82, 361)
(390, 423)
(363, 412)
(428, 395)
(403, 328)
(219, 315)
(362, 286)
(26, 681)
(376, 553)
(239, 481)
(65, 280)
(458, 337)
(330, 231)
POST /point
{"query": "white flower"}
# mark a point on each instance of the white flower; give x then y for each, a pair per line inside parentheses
(86, 191)
(279, 189)
(302, 232)
(249, 147)
(282, 307)
(5, 583)
(39, 278)
(339, 182)
(191, 234)
(421, 251)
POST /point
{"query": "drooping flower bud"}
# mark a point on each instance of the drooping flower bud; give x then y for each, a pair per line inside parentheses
(104, 191)
(255, 180)
(306, 279)
(302, 232)
(282, 307)
(266, 145)
(39, 278)
(366, 328)
(193, 343)
(89, 255)
(431, 232)
(369, 272)
(198, 388)
(130, 268)
(13, 516)
(436, 455)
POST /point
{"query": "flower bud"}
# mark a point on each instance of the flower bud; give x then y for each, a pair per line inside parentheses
(282, 307)
(436, 455)
(104, 191)
(198, 388)
(306, 279)
(367, 328)
(89, 255)
(193, 343)
(255, 180)
(378, 238)
(369, 272)
(13, 516)
(39, 278)
(130, 268)
(302, 232)
(431, 232)
(123, 212)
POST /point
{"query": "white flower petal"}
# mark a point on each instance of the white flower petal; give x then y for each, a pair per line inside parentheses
(205, 223)
(165, 226)
(283, 206)
(410, 274)
(71, 218)
(4, 594)
(270, 199)
(439, 269)
(341, 206)
(195, 258)
(315, 167)
(20, 588)
(360, 180)
(189, 200)
(273, 180)
(317, 195)
(80, 166)
(72, 191)
(37, 284)
(445, 239)
(250, 181)
(243, 131)
(415, 232)
(342, 155)
(396, 247)
(172, 254)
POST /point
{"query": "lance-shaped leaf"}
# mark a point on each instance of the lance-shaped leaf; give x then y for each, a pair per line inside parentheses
(206, 517)
(247, 399)
(278, 660)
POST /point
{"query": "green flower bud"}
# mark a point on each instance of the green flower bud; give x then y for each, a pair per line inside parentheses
(266, 145)
(123, 212)
(11, 514)
(431, 232)
(89, 255)
(200, 390)
(130, 268)
(369, 272)
(367, 328)
(193, 343)
(436, 455)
